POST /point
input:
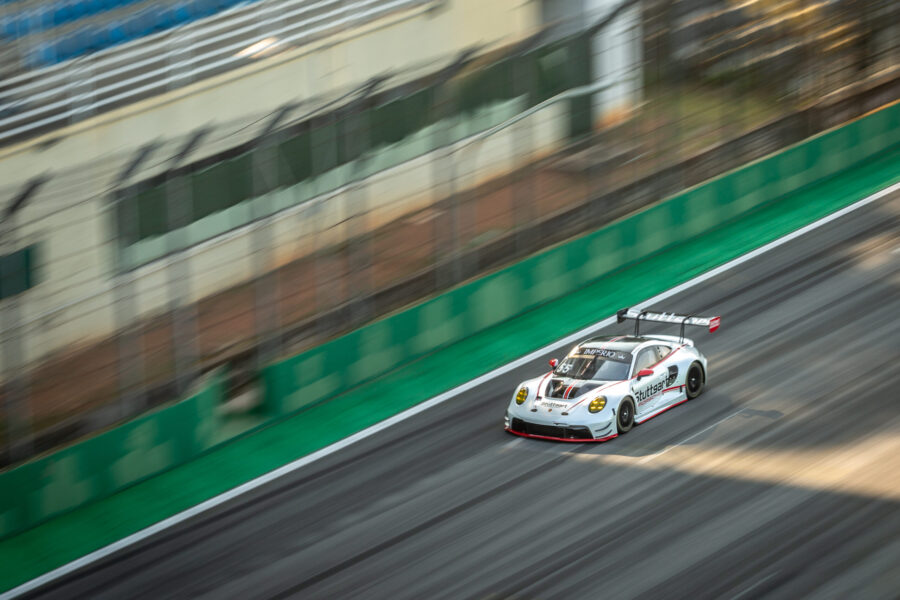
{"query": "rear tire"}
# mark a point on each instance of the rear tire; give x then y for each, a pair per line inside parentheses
(693, 383)
(625, 416)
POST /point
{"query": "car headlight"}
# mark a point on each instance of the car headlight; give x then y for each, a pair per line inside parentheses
(522, 395)
(597, 404)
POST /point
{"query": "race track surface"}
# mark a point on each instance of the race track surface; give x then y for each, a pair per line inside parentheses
(782, 480)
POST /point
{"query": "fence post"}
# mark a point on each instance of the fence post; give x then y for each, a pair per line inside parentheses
(445, 198)
(656, 112)
(264, 180)
(126, 229)
(635, 140)
(359, 237)
(522, 139)
(182, 310)
(324, 159)
(15, 386)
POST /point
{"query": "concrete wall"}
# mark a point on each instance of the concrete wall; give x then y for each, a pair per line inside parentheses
(71, 217)
(616, 50)
(74, 301)
(617, 59)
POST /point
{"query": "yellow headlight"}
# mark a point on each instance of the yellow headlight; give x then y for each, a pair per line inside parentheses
(520, 397)
(597, 404)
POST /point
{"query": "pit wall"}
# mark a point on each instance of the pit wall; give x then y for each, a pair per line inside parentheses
(337, 366)
(104, 464)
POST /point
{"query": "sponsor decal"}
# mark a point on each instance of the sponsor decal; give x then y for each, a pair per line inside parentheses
(549, 404)
(605, 353)
(664, 317)
(643, 395)
(673, 375)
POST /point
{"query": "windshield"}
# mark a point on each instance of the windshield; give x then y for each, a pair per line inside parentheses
(595, 363)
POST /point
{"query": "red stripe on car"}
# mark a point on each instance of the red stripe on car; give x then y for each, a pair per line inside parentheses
(557, 439)
(662, 411)
(537, 392)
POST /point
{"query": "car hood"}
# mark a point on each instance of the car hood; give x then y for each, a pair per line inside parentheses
(559, 387)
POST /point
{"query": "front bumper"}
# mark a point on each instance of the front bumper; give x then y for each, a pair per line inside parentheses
(560, 433)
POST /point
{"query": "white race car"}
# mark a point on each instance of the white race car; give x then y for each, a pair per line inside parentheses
(608, 384)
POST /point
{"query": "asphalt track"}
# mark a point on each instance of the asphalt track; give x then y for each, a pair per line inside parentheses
(782, 480)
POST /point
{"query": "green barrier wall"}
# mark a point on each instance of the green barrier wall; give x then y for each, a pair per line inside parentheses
(108, 462)
(334, 367)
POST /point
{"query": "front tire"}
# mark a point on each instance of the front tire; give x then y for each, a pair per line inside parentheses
(693, 383)
(625, 416)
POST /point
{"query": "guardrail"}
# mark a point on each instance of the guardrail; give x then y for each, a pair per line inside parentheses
(39, 100)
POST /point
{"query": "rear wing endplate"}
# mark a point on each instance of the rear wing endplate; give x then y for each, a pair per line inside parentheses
(663, 317)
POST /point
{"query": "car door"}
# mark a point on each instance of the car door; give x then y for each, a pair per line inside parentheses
(647, 390)
(671, 392)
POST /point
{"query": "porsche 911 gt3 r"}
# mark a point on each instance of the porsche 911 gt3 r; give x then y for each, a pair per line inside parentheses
(608, 384)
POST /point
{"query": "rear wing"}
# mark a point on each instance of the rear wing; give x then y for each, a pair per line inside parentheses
(662, 317)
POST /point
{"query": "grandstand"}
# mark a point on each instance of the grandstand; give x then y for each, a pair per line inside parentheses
(98, 62)
(55, 32)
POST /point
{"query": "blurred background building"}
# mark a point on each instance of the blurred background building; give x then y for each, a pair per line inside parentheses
(197, 183)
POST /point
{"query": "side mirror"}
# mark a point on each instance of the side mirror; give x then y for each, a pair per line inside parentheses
(553, 363)
(644, 373)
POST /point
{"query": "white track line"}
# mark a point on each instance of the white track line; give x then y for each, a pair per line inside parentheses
(419, 408)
